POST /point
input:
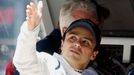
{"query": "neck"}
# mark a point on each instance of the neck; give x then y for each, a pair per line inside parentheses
(75, 65)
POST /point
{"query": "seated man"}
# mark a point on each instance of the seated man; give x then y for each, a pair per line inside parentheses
(79, 46)
(81, 9)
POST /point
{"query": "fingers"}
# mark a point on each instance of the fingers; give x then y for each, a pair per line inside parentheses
(28, 12)
(34, 14)
(40, 8)
(31, 9)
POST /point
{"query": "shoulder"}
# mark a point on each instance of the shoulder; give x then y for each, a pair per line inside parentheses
(53, 65)
(90, 71)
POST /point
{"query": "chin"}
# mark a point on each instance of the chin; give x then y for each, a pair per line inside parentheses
(74, 56)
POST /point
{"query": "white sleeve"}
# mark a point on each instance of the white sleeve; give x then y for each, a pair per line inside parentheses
(25, 57)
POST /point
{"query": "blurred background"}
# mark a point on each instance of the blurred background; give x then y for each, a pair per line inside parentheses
(12, 14)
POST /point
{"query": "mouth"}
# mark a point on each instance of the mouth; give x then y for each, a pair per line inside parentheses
(76, 52)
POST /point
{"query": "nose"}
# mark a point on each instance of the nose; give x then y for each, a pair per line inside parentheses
(77, 44)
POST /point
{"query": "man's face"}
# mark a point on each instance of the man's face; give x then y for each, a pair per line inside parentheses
(80, 14)
(78, 46)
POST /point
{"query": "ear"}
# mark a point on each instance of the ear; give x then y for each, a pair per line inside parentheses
(94, 55)
(63, 30)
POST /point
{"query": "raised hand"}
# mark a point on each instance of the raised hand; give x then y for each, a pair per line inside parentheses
(34, 14)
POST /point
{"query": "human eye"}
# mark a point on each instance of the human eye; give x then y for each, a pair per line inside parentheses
(72, 38)
(86, 43)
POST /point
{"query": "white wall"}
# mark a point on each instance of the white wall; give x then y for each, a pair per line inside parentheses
(126, 42)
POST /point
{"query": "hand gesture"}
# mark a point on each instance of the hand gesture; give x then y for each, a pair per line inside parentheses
(34, 14)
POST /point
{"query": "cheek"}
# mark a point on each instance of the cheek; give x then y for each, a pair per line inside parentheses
(87, 53)
(65, 46)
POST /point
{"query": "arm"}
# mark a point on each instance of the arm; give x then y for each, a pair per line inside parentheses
(25, 57)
